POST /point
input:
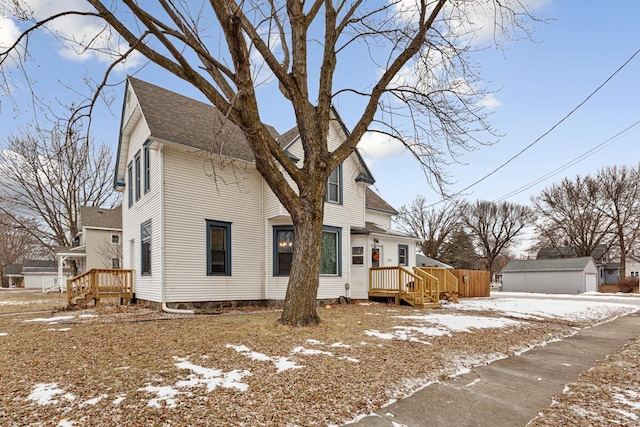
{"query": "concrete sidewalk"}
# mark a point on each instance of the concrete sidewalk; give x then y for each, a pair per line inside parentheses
(509, 392)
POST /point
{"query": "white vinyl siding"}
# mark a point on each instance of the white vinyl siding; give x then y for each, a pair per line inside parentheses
(192, 196)
(147, 208)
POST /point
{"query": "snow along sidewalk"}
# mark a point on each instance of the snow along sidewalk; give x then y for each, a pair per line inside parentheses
(512, 391)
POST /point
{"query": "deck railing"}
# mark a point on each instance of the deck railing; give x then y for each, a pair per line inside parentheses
(400, 283)
(98, 282)
(448, 281)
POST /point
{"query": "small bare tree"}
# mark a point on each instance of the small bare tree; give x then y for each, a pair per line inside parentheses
(16, 244)
(496, 226)
(621, 206)
(572, 213)
(432, 225)
(422, 89)
(47, 175)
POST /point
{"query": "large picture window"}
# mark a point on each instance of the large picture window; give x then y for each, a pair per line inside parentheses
(218, 248)
(145, 248)
(331, 250)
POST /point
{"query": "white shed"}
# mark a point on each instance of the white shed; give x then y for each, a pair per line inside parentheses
(557, 276)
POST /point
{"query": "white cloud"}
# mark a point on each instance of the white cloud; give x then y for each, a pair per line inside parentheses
(490, 101)
(476, 19)
(377, 145)
(75, 32)
(9, 32)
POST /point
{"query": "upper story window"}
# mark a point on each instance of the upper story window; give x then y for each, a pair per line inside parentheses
(130, 184)
(115, 238)
(146, 159)
(334, 186)
(137, 173)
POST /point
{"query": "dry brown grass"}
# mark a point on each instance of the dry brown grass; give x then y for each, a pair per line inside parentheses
(123, 349)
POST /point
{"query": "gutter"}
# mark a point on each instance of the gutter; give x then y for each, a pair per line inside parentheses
(163, 296)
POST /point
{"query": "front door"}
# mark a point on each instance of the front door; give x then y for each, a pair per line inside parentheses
(376, 257)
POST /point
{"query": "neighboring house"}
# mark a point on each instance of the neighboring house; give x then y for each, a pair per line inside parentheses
(608, 270)
(560, 275)
(201, 227)
(99, 241)
(633, 266)
(425, 261)
(39, 274)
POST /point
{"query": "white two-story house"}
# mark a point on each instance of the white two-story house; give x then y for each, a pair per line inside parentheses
(199, 223)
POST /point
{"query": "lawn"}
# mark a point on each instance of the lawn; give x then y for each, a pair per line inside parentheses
(126, 366)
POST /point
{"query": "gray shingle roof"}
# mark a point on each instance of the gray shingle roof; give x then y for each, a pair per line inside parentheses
(559, 264)
(100, 217)
(373, 201)
(13, 269)
(177, 118)
(39, 266)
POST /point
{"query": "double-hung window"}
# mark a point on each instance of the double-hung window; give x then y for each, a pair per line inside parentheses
(283, 253)
(130, 184)
(403, 253)
(137, 172)
(146, 163)
(145, 249)
(218, 248)
(331, 251)
(334, 186)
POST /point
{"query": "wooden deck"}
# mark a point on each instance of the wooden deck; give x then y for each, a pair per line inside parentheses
(98, 283)
(419, 289)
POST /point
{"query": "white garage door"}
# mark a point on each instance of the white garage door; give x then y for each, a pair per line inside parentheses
(591, 282)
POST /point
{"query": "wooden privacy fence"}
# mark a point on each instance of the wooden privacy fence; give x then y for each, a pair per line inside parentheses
(472, 283)
(99, 282)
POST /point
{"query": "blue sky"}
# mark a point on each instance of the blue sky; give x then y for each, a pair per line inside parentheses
(536, 82)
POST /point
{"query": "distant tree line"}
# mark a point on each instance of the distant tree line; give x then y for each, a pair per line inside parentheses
(584, 213)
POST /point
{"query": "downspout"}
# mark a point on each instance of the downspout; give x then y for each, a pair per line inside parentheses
(265, 246)
(163, 296)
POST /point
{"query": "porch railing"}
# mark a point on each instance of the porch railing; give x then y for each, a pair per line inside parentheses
(448, 281)
(402, 284)
(97, 282)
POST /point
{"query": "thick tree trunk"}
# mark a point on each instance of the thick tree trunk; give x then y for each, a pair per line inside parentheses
(301, 299)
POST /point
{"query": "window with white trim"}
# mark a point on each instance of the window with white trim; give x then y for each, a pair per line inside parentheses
(403, 255)
(357, 255)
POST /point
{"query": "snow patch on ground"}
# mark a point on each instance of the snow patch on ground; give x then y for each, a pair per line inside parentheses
(282, 363)
(524, 308)
(49, 393)
(49, 319)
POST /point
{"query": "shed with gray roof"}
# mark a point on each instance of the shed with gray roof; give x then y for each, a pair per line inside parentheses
(554, 276)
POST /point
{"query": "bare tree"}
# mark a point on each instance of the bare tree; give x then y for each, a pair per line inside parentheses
(47, 175)
(496, 226)
(418, 55)
(621, 206)
(432, 225)
(572, 213)
(16, 244)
